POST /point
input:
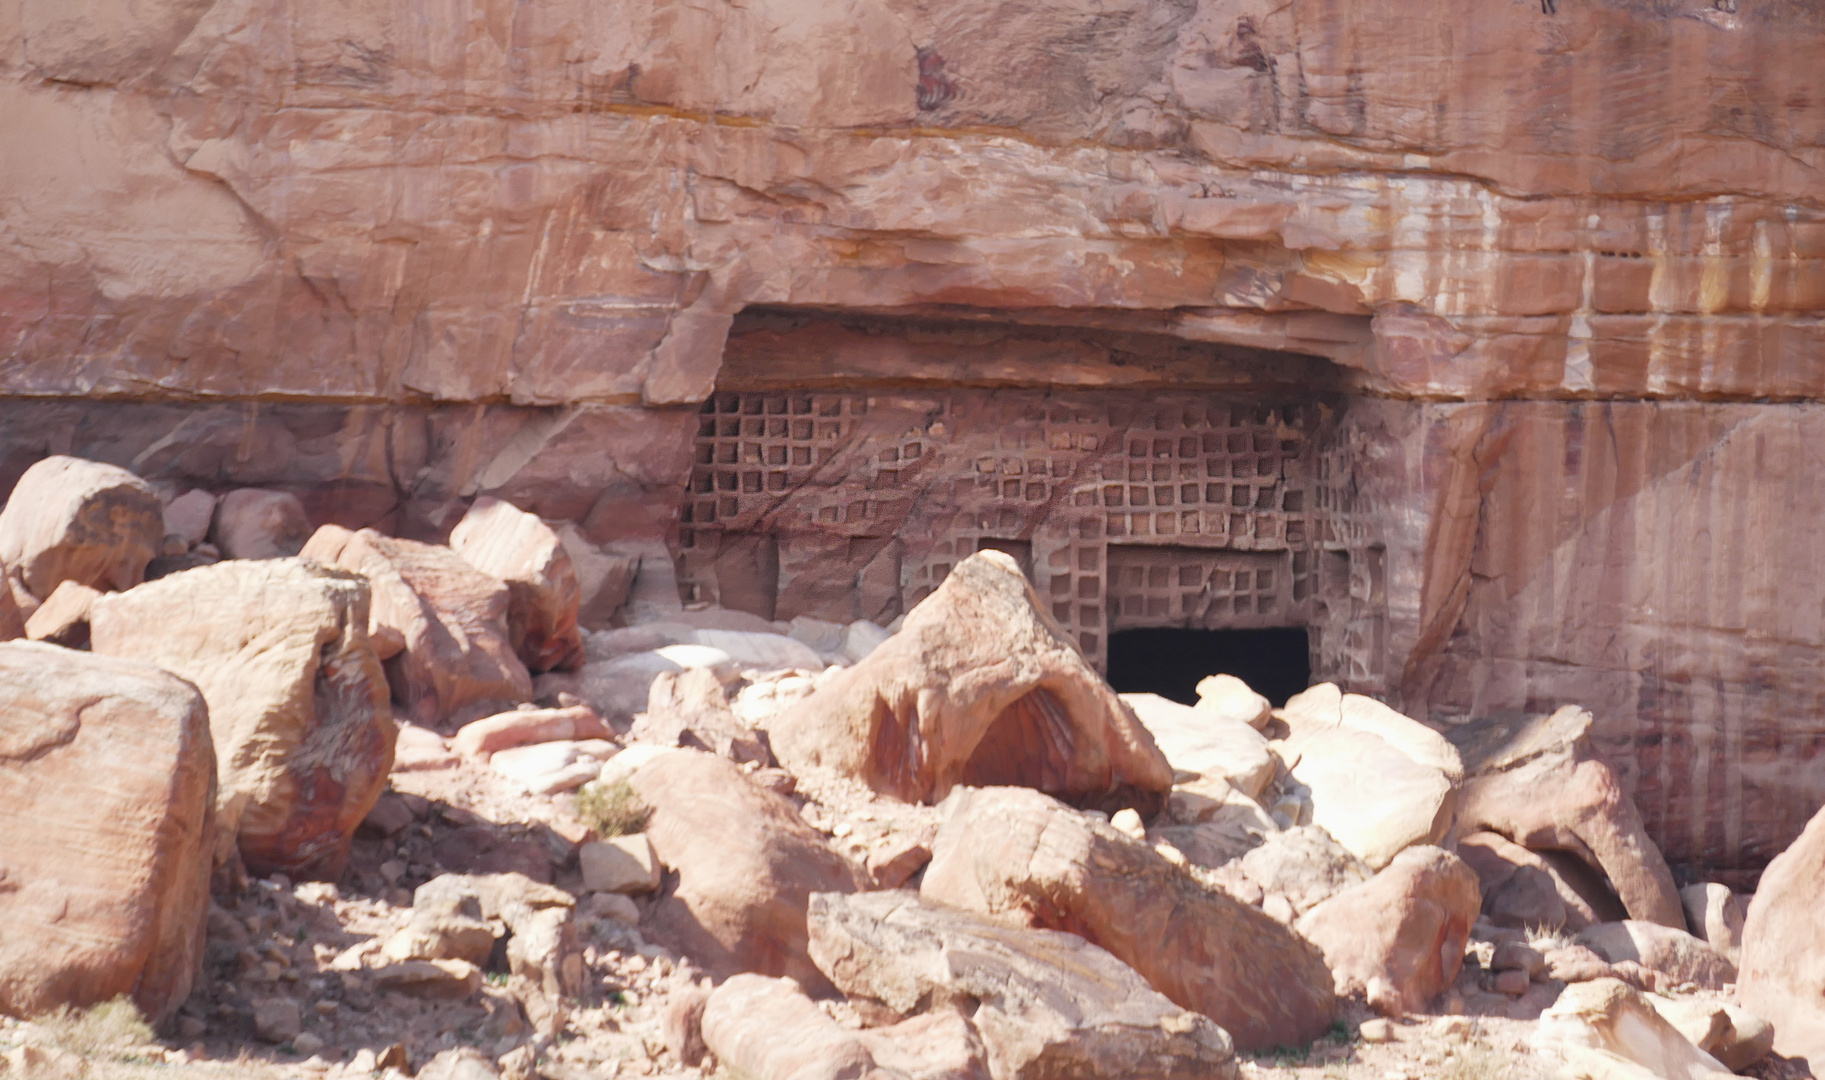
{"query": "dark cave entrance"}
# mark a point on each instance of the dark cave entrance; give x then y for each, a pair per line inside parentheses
(1169, 661)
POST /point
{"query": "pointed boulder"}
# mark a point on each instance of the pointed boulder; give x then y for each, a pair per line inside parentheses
(982, 687)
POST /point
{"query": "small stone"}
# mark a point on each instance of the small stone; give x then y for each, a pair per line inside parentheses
(191, 1027)
(1513, 983)
(1128, 820)
(1376, 1031)
(450, 979)
(390, 817)
(1515, 956)
(610, 906)
(1451, 1027)
(277, 1020)
(620, 864)
(307, 1044)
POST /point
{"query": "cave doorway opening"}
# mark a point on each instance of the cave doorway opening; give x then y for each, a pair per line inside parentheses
(1169, 661)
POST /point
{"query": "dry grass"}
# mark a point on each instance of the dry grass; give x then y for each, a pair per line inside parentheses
(104, 1030)
(1482, 1063)
(612, 811)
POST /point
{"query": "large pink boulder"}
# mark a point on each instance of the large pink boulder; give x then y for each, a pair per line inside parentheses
(1537, 782)
(74, 520)
(298, 707)
(980, 686)
(1025, 859)
(458, 661)
(1398, 938)
(1782, 976)
(505, 542)
(747, 865)
(1046, 1004)
(107, 795)
(254, 523)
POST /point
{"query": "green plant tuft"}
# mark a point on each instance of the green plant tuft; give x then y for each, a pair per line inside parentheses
(614, 810)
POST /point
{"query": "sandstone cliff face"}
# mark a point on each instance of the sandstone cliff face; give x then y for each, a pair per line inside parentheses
(1555, 268)
(551, 201)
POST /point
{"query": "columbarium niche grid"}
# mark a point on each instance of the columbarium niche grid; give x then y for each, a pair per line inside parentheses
(1133, 508)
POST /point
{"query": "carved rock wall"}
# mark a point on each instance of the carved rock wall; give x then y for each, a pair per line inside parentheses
(1555, 269)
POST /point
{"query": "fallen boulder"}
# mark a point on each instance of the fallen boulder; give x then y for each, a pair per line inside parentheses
(1783, 965)
(1729, 1033)
(1305, 865)
(522, 727)
(1025, 859)
(980, 686)
(1675, 953)
(253, 523)
(74, 520)
(1225, 697)
(505, 542)
(1379, 782)
(107, 776)
(1606, 1028)
(768, 1029)
(297, 701)
(1536, 781)
(1521, 888)
(457, 661)
(1714, 917)
(188, 516)
(1200, 742)
(1212, 823)
(63, 618)
(1046, 1003)
(688, 708)
(1398, 939)
(551, 767)
(746, 866)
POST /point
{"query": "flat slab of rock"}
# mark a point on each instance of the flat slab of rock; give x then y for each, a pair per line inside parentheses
(1783, 968)
(522, 727)
(1398, 939)
(768, 1029)
(74, 520)
(1660, 948)
(980, 686)
(507, 543)
(458, 660)
(298, 703)
(1025, 859)
(1537, 781)
(1046, 1003)
(747, 865)
(112, 759)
